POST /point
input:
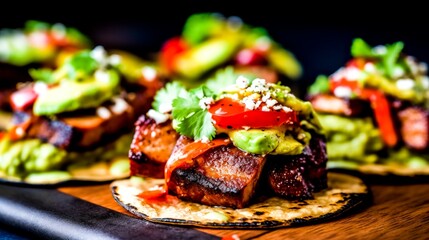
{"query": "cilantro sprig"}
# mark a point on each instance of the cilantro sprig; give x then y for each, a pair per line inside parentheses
(389, 59)
(190, 118)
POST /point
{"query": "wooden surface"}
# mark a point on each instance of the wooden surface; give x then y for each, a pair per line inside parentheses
(397, 212)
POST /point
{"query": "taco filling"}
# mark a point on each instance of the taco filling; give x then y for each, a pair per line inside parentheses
(230, 148)
(76, 116)
(375, 111)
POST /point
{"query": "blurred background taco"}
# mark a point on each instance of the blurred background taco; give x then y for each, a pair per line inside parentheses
(37, 44)
(375, 111)
(74, 122)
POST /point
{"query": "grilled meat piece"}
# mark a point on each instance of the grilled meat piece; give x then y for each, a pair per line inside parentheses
(81, 130)
(415, 128)
(219, 176)
(299, 176)
(151, 147)
(324, 103)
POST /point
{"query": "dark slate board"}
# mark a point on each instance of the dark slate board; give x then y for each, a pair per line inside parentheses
(50, 214)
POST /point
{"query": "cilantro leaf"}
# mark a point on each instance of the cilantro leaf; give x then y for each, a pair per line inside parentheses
(42, 74)
(80, 65)
(191, 119)
(165, 96)
(360, 48)
(320, 85)
(221, 79)
(391, 57)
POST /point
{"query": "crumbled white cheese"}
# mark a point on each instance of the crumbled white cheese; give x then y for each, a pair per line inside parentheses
(369, 67)
(353, 73)
(287, 109)
(277, 107)
(398, 72)
(271, 102)
(205, 102)
(102, 76)
(103, 112)
(405, 83)
(343, 92)
(242, 82)
(40, 88)
(120, 105)
(149, 73)
(265, 109)
(258, 85)
(99, 54)
(157, 116)
(114, 60)
(249, 103)
(205, 139)
(19, 131)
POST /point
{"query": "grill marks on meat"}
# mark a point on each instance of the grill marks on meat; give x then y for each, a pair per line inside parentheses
(299, 176)
(221, 176)
(151, 147)
(415, 128)
(227, 176)
(325, 103)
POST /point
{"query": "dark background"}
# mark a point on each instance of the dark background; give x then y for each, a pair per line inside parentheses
(318, 33)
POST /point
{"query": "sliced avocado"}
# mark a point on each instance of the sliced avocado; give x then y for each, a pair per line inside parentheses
(72, 95)
(207, 55)
(267, 141)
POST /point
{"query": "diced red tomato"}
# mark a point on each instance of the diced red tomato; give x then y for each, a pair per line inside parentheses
(170, 50)
(23, 98)
(228, 113)
(249, 56)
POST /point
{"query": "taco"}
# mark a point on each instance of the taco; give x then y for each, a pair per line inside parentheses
(37, 44)
(212, 41)
(73, 122)
(247, 155)
(375, 111)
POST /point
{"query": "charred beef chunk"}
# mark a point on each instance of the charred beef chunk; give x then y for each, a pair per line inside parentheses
(151, 147)
(415, 128)
(221, 176)
(299, 176)
(324, 103)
